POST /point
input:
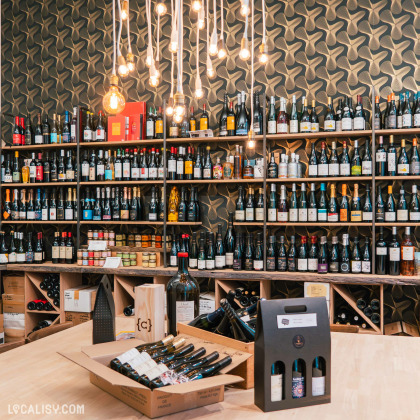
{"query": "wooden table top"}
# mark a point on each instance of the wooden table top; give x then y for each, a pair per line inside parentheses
(372, 377)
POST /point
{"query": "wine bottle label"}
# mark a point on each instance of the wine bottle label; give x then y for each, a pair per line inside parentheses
(258, 265)
(282, 128)
(44, 214)
(53, 213)
(399, 121)
(315, 127)
(282, 216)
(20, 258)
(367, 216)
(63, 252)
(271, 263)
(332, 217)
(282, 264)
(323, 268)
(323, 169)
(69, 252)
(367, 167)
(173, 261)
(69, 175)
(188, 167)
(303, 215)
(12, 257)
(201, 264)
(259, 214)
(30, 215)
(356, 216)
(293, 215)
(142, 366)
(312, 264)
(381, 250)
(135, 173)
(318, 386)
(344, 267)
(68, 214)
(55, 252)
(249, 215)
(333, 169)
(356, 266)
(126, 167)
(271, 216)
(8, 178)
(153, 173)
(312, 215)
(414, 216)
(407, 253)
(100, 134)
(302, 264)
(172, 165)
(305, 127)
(229, 259)
(193, 262)
(87, 135)
(150, 128)
(392, 158)
(381, 156)
(343, 215)
(53, 138)
(32, 172)
(220, 261)
(128, 355)
(338, 125)
(204, 122)
(210, 264)
(180, 167)
(334, 266)
(322, 215)
(276, 387)
(230, 123)
(390, 216)
(359, 123)
(85, 169)
(415, 168)
(92, 173)
(294, 126)
(207, 173)
(346, 123)
(38, 256)
(356, 170)
(291, 263)
(39, 139)
(403, 169)
(197, 173)
(329, 125)
(366, 267)
(298, 387)
(394, 254)
(240, 215)
(271, 127)
(313, 170)
(416, 120)
(402, 215)
(344, 169)
(407, 121)
(87, 214)
(153, 216)
(159, 127)
(248, 264)
(100, 170)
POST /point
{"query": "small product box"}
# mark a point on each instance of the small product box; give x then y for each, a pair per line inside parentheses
(312, 289)
(162, 401)
(292, 354)
(14, 325)
(14, 285)
(78, 317)
(130, 124)
(13, 303)
(80, 299)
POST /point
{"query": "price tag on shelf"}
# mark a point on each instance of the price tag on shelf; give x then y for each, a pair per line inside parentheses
(112, 262)
(97, 246)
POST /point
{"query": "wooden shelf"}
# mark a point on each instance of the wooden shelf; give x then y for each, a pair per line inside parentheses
(215, 181)
(398, 132)
(397, 178)
(119, 222)
(251, 224)
(139, 182)
(122, 144)
(40, 146)
(210, 139)
(391, 224)
(183, 223)
(303, 224)
(42, 312)
(320, 179)
(321, 134)
(37, 184)
(39, 222)
(366, 279)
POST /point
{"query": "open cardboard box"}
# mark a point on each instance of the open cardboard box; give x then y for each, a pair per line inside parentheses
(160, 402)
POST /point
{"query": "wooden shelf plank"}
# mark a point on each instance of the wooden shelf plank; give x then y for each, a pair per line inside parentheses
(215, 181)
(321, 179)
(119, 222)
(122, 144)
(42, 312)
(251, 224)
(137, 182)
(303, 224)
(39, 222)
(398, 132)
(39, 146)
(390, 224)
(397, 178)
(37, 184)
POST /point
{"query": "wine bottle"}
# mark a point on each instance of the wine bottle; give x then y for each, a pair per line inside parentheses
(241, 330)
(298, 379)
(345, 161)
(390, 213)
(293, 206)
(402, 207)
(282, 211)
(294, 120)
(209, 321)
(392, 157)
(334, 264)
(313, 255)
(407, 255)
(403, 167)
(271, 118)
(302, 258)
(381, 254)
(313, 162)
(345, 255)
(344, 206)
(271, 253)
(381, 158)
(303, 205)
(318, 377)
(356, 208)
(332, 206)
(394, 254)
(305, 120)
(329, 119)
(312, 207)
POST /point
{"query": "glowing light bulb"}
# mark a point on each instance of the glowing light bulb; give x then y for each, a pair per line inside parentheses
(211, 73)
(213, 50)
(114, 101)
(131, 66)
(196, 5)
(222, 53)
(122, 67)
(161, 9)
(177, 118)
(263, 57)
(173, 47)
(244, 53)
(251, 139)
(124, 10)
(179, 110)
(179, 103)
(149, 56)
(245, 8)
(199, 93)
(170, 111)
(153, 81)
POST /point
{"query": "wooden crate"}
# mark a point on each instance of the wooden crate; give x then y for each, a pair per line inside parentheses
(245, 370)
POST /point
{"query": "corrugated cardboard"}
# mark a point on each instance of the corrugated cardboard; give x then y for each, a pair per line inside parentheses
(160, 402)
(78, 317)
(14, 285)
(80, 299)
(14, 324)
(401, 328)
(13, 303)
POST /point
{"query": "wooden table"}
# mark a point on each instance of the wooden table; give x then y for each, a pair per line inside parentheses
(372, 377)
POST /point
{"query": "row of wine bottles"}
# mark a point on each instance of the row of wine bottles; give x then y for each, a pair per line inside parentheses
(40, 305)
(168, 362)
(44, 323)
(320, 208)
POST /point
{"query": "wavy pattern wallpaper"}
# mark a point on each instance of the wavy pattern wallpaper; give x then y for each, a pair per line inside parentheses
(57, 53)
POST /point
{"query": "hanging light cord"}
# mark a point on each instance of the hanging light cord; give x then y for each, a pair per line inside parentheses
(208, 25)
(215, 17)
(157, 38)
(114, 72)
(128, 26)
(198, 49)
(172, 54)
(149, 23)
(252, 63)
(120, 28)
(263, 21)
(180, 46)
(221, 19)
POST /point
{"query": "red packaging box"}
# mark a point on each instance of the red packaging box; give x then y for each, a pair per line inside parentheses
(136, 124)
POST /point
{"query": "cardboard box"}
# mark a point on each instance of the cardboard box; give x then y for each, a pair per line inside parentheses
(136, 124)
(13, 303)
(14, 324)
(317, 290)
(401, 328)
(14, 285)
(245, 370)
(80, 299)
(159, 402)
(78, 317)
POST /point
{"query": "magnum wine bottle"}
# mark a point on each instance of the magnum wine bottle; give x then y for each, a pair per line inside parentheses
(183, 295)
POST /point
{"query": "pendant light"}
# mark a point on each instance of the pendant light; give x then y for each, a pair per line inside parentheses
(198, 86)
(263, 57)
(251, 132)
(173, 44)
(114, 101)
(179, 97)
(170, 106)
(123, 70)
(130, 56)
(244, 7)
(149, 53)
(124, 9)
(196, 5)
(244, 53)
(222, 53)
(210, 71)
(213, 50)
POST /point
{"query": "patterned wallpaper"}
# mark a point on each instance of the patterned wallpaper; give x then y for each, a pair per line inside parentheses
(57, 54)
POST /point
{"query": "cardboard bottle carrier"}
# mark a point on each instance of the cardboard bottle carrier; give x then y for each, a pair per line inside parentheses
(162, 401)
